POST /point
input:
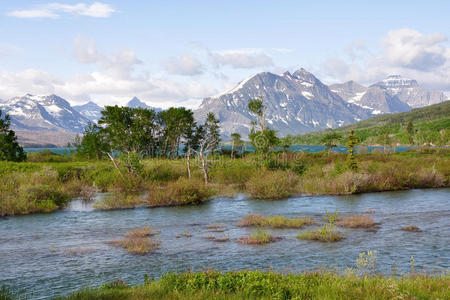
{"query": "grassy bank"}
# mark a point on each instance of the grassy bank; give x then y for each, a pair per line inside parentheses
(45, 184)
(270, 285)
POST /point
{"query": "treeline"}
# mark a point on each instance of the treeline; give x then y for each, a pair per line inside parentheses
(125, 135)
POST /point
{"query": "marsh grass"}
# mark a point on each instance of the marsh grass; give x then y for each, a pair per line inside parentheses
(272, 184)
(181, 192)
(356, 221)
(271, 285)
(412, 228)
(137, 241)
(258, 237)
(276, 222)
(325, 233)
(222, 239)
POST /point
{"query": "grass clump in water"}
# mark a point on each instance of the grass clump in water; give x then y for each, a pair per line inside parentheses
(356, 221)
(137, 241)
(258, 237)
(181, 192)
(325, 233)
(412, 228)
(274, 221)
(272, 184)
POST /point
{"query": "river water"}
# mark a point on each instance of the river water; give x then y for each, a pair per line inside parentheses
(45, 255)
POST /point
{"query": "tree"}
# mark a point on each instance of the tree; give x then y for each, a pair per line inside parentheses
(209, 139)
(330, 140)
(9, 147)
(257, 108)
(410, 130)
(236, 143)
(264, 138)
(175, 122)
(286, 142)
(384, 138)
(93, 144)
(191, 137)
(352, 142)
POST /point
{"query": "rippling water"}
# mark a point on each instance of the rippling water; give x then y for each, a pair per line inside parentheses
(54, 254)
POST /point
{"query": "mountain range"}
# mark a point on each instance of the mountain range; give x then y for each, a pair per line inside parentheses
(51, 120)
(295, 103)
(299, 102)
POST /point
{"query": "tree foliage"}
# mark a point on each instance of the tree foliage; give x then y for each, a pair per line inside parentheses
(9, 147)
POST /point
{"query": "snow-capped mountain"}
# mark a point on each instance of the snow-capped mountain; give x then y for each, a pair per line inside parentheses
(391, 95)
(296, 103)
(136, 103)
(90, 110)
(51, 113)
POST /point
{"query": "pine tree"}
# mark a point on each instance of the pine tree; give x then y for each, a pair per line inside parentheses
(9, 147)
(352, 142)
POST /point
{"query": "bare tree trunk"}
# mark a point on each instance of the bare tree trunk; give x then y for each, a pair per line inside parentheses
(204, 163)
(111, 157)
(232, 148)
(189, 161)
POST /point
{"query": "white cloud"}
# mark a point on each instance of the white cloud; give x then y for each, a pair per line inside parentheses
(283, 50)
(114, 82)
(53, 10)
(33, 14)
(242, 58)
(118, 65)
(406, 52)
(186, 65)
(411, 49)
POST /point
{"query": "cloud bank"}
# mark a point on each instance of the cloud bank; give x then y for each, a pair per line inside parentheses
(54, 10)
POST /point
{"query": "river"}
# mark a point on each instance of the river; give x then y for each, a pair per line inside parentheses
(44, 255)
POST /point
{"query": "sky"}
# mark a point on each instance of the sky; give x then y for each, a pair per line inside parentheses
(175, 53)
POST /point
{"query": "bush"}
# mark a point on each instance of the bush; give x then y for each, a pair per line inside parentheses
(232, 172)
(325, 233)
(272, 185)
(181, 192)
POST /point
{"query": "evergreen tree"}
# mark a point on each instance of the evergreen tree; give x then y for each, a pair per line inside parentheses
(236, 143)
(209, 139)
(264, 138)
(410, 130)
(9, 147)
(352, 142)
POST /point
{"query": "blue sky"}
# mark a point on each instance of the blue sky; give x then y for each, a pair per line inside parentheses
(177, 52)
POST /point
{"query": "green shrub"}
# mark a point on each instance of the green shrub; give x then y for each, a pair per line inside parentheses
(181, 192)
(272, 185)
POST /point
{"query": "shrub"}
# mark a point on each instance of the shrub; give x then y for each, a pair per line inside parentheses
(234, 171)
(272, 185)
(299, 167)
(181, 192)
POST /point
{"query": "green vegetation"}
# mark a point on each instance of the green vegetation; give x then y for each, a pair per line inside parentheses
(274, 221)
(325, 233)
(41, 186)
(271, 285)
(426, 125)
(258, 237)
(9, 147)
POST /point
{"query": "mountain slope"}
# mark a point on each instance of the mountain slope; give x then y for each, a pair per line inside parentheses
(43, 113)
(391, 95)
(431, 124)
(89, 110)
(296, 103)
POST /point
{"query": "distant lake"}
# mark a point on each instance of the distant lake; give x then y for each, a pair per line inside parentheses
(295, 148)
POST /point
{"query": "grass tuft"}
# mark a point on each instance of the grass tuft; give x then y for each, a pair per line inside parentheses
(325, 233)
(137, 241)
(276, 222)
(356, 221)
(258, 237)
(412, 228)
